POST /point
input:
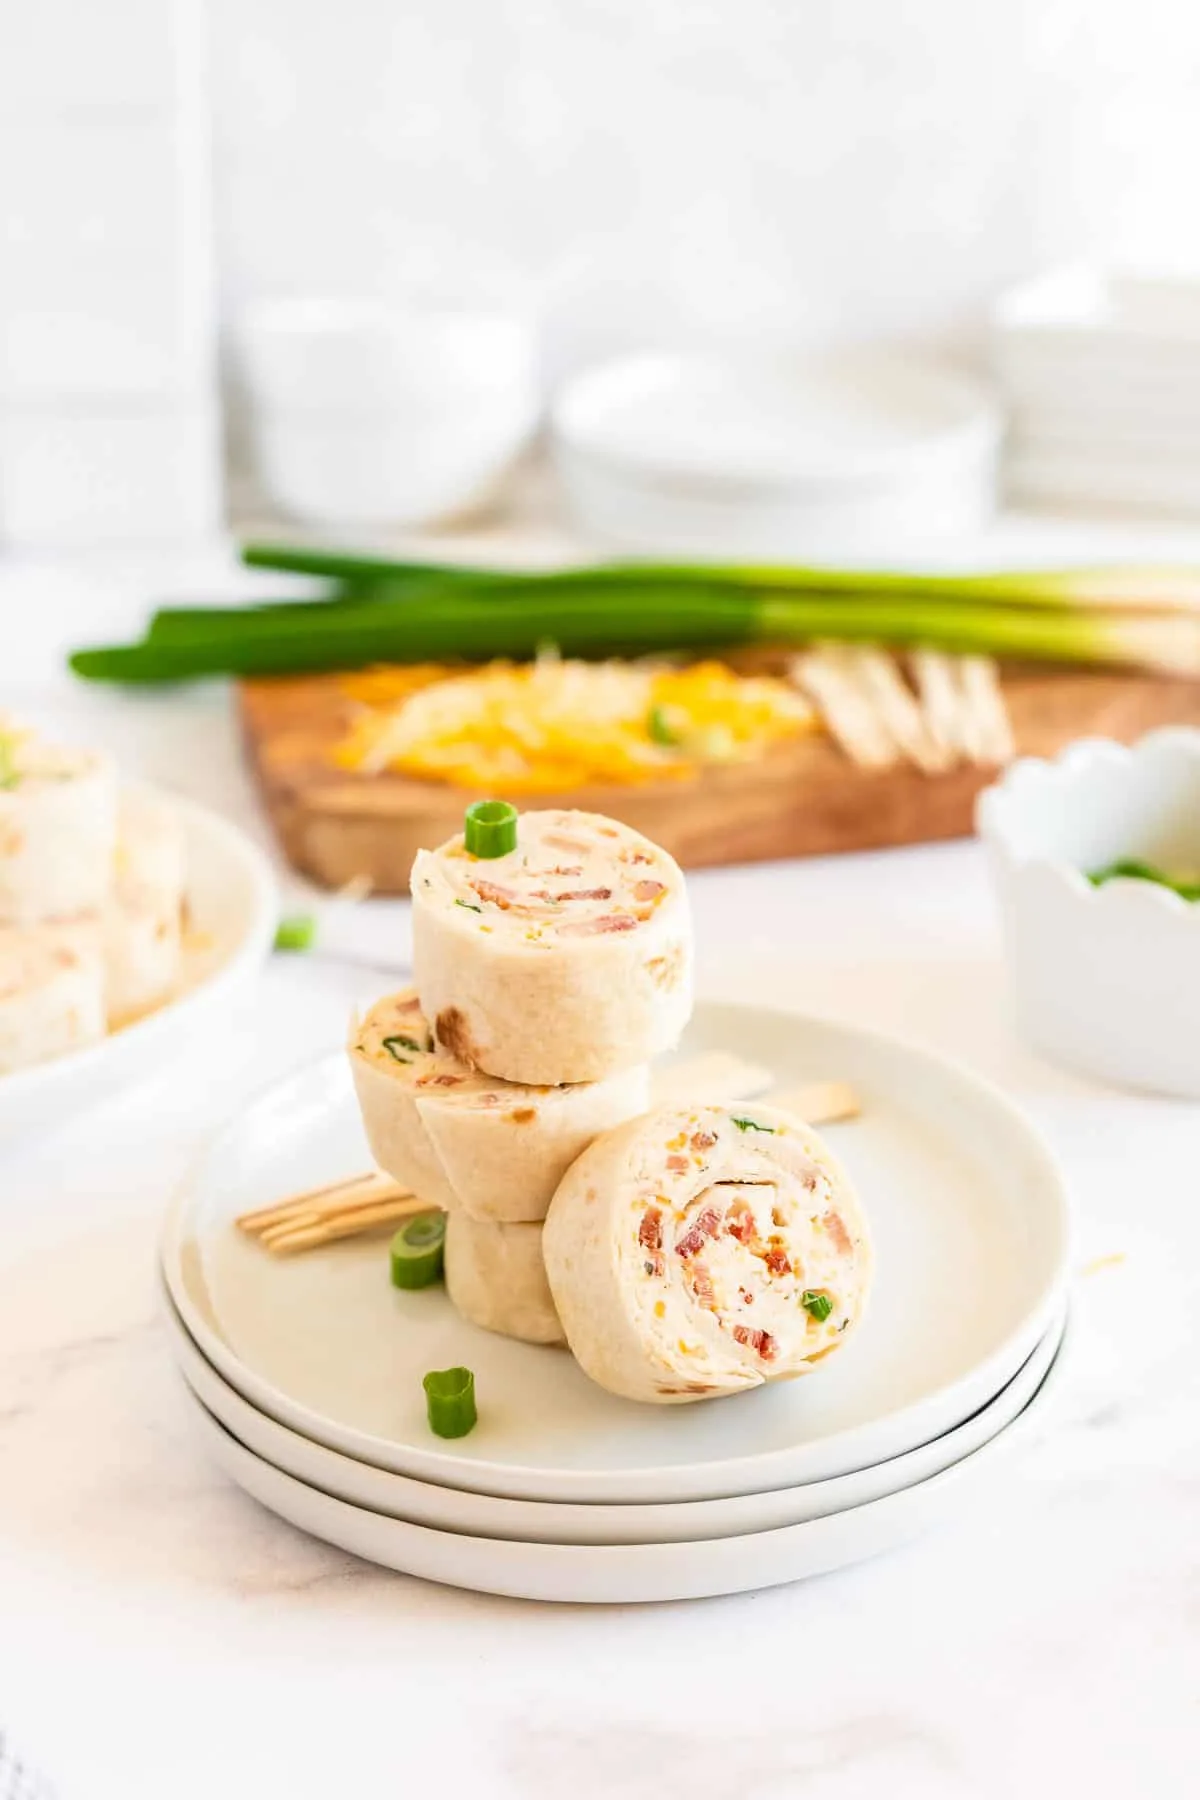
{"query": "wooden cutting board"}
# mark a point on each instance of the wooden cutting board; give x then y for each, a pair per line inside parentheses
(804, 799)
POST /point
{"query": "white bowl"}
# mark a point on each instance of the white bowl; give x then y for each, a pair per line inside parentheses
(770, 526)
(1106, 979)
(723, 453)
(232, 908)
(374, 471)
(348, 356)
(367, 415)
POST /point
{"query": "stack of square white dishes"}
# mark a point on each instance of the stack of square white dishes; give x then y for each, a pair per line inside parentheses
(740, 455)
(304, 1373)
(1101, 372)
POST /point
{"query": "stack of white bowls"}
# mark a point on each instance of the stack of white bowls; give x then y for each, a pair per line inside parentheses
(1101, 373)
(369, 415)
(304, 1374)
(714, 454)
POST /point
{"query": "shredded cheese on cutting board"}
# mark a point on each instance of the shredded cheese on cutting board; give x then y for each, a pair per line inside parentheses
(547, 726)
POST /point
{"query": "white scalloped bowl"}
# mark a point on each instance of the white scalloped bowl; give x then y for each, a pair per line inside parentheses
(1106, 980)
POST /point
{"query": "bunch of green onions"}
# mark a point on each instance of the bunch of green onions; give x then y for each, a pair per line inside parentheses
(401, 612)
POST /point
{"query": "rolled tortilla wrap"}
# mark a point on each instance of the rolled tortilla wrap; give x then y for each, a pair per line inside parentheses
(563, 961)
(51, 992)
(58, 828)
(496, 1278)
(143, 921)
(681, 1250)
(464, 1140)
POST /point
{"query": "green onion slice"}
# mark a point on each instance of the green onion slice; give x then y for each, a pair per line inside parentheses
(491, 828)
(296, 933)
(450, 1401)
(470, 906)
(816, 1303)
(1130, 869)
(753, 1125)
(417, 1250)
(659, 729)
(395, 1046)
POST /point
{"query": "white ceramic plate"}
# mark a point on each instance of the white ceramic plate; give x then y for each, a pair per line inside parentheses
(969, 1217)
(550, 1522)
(232, 910)
(725, 424)
(621, 1573)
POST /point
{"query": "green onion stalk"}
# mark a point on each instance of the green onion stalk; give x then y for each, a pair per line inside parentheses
(602, 613)
(1121, 587)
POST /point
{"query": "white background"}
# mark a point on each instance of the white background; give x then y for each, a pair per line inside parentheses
(807, 166)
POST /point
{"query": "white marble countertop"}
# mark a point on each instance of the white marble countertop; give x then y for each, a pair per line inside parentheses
(162, 1636)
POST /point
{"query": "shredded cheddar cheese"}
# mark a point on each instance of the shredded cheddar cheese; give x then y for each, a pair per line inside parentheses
(543, 727)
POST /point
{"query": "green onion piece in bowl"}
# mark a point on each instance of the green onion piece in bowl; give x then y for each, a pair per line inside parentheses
(490, 828)
(296, 933)
(416, 1252)
(1130, 869)
(450, 1401)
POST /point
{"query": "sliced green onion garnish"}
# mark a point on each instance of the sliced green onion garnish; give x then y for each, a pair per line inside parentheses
(470, 905)
(417, 1250)
(753, 1125)
(450, 1400)
(296, 933)
(816, 1303)
(395, 1046)
(490, 828)
(1130, 869)
(659, 729)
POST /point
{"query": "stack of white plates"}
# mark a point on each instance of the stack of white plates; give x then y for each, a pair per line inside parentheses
(304, 1373)
(1102, 376)
(715, 455)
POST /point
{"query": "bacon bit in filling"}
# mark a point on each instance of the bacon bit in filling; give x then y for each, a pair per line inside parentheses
(439, 1080)
(740, 1223)
(781, 1217)
(838, 1232)
(649, 890)
(584, 894)
(703, 1140)
(523, 1115)
(565, 869)
(706, 1226)
(635, 856)
(678, 1164)
(700, 1282)
(594, 927)
(490, 890)
(776, 1260)
(761, 1342)
(454, 1033)
(654, 1265)
(746, 1297)
(650, 1234)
